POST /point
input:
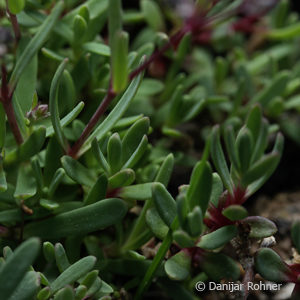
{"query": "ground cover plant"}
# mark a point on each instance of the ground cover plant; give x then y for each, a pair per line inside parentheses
(134, 140)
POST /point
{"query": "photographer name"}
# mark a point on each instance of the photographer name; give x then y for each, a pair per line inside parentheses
(250, 286)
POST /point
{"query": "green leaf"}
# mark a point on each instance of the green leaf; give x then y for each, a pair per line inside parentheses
(278, 148)
(270, 266)
(183, 239)
(26, 85)
(97, 48)
(89, 279)
(3, 183)
(73, 273)
(65, 293)
(178, 266)
(219, 159)
(217, 189)
(49, 251)
(98, 191)
(137, 154)
(61, 258)
(28, 287)
(254, 120)
(200, 186)
(56, 180)
(2, 127)
(99, 215)
(259, 169)
(16, 266)
(156, 224)
(115, 114)
(218, 238)
(77, 171)
(79, 29)
(164, 174)
(137, 192)
(286, 33)
(235, 212)
(195, 221)
(152, 14)
(119, 61)
(33, 144)
(133, 138)
(26, 183)
(219, 266)
(295, 232)
(244, 145)
(44, 294)
(260, 227)
(274, 89)
(114, 19)
(164, 202)
(49, 204)
(229, 138)
(114, 153)
(99, 156)
(53, 105)
(15, 6)
(123, 178)
(72, 115)
(36, 43)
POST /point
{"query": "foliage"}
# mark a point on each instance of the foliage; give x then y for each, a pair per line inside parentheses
(207, 86)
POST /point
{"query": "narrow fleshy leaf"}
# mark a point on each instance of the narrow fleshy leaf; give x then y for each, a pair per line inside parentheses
(137, 154)
(49, 251)
(97, 48)
(119, 61)
(200, 186)
(26, 184)
(219, 266)
(98, 191)
(73, 273)
(254, 120)
(235, 212)
(156, 224)
(217, 189)
(133, 137)
(152, 14)
(183, 239)
(218, 238)
(28, 287)
(2, 127)
(260, 227)
(72, 115)
(53, 105)
(99, 156)
(77, 171)
(17, 265)
(164, 174)
(114, 153)
(123, 178)
(229, 139)
(56, 180)
(61, 258)
(115, 114)
(178, 266)
(270, 266)
(36, 42)
(195, 221)
(100, 215)
(79, 29)
(219, 159)
(137, 191)
(244, 145)
(260, 168)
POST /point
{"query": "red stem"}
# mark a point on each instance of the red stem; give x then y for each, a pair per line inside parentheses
(15, 24)
(93, 121)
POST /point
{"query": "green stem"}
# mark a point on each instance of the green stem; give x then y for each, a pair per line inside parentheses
(163, 249)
